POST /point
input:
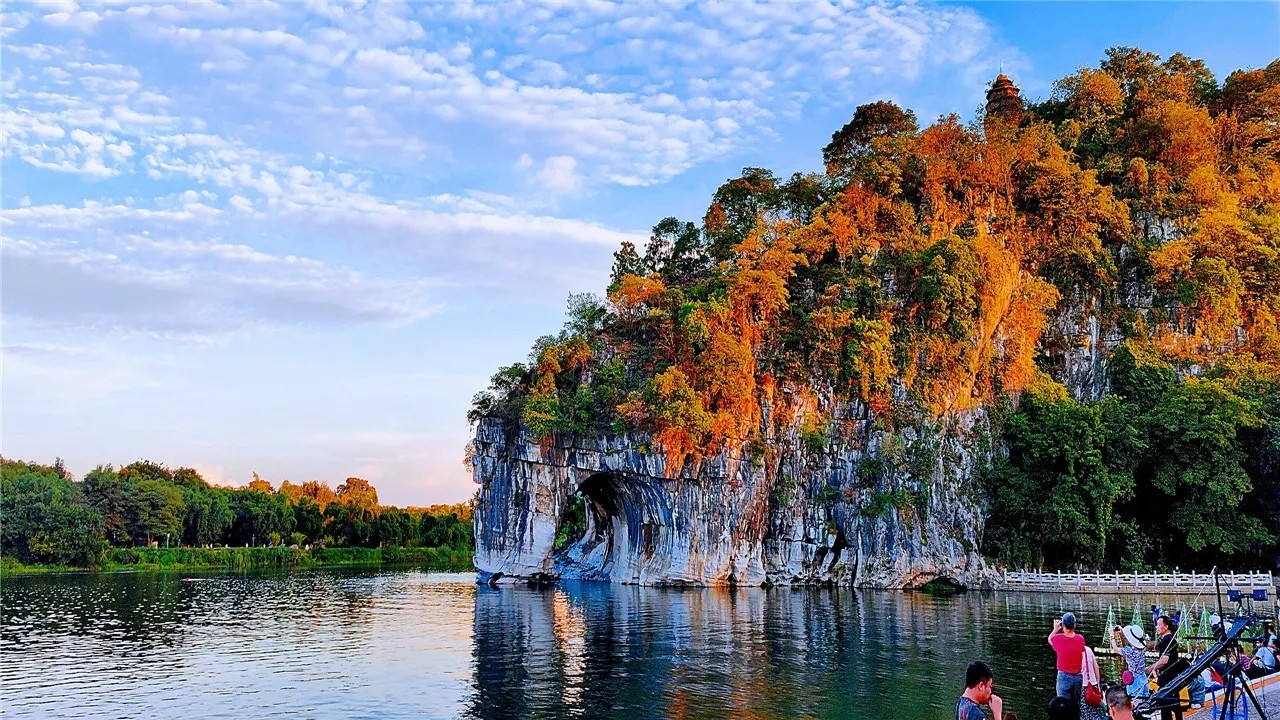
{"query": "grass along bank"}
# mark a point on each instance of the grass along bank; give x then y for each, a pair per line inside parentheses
(246, 558)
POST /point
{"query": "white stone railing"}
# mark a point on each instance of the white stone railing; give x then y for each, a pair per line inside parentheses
(1119, 582)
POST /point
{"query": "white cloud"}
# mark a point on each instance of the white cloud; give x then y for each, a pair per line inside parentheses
(38, 52)
(327, 135)
(79, 20)
(142, 286)
(89, 141)
(215, 475)
(637, 93)
(559, 175)
(121, 151)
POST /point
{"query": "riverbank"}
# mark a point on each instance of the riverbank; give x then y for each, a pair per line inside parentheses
(242, 558)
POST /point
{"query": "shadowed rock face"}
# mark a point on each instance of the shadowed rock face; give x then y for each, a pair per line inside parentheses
(795, 518)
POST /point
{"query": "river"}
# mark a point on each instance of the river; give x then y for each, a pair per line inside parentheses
(381, 643)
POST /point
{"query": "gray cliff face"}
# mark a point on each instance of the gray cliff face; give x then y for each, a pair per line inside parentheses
(896, 510)
(1081, 341)
(1083, 332)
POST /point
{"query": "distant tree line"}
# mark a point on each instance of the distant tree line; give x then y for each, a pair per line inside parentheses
(46, 516)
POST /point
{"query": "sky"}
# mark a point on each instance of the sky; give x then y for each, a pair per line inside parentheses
(295, 238)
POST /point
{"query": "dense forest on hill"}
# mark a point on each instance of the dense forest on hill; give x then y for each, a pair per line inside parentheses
(933, 272)
(47, 517)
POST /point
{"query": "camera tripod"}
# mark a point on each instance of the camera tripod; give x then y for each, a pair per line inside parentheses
(1226, 646)
(1236, 691)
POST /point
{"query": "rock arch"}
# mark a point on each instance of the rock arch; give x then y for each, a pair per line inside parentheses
(718, 521)
(629, 529)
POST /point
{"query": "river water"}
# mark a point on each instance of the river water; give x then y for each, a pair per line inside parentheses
(379, 643)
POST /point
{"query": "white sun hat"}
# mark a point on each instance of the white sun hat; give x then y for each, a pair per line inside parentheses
(1133, 633)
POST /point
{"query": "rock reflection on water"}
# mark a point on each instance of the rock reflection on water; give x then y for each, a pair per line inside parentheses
(589, 650)
(405, 644)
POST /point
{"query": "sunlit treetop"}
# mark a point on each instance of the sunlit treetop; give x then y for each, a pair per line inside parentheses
(920, 275)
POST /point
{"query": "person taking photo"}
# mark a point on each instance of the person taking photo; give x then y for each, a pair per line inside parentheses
(1069, 647)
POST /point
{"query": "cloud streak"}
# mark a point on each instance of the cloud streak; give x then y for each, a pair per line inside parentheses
(230, 289)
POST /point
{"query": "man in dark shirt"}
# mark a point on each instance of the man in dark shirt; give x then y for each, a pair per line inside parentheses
(1168, 665)
(978, 682)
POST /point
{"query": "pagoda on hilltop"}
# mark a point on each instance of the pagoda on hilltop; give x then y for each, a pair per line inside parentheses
(1004, 101)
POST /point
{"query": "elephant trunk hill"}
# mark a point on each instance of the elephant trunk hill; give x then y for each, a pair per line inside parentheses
(959, 348)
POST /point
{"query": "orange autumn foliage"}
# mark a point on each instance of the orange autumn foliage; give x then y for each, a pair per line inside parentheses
(934, 271)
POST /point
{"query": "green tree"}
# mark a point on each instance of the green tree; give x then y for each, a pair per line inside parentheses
(1054, 496)
(146, 470)
(208, 515)
(257, 515)
(152, 508)
(447, 530)
(349, 527)
(395, 527)
(676, 252)
(44, 517)
(308, 518)
(1140, 375)
(189, 477)
(1199, 467)
(735, 208)
(104, 491)
(880, 120)
(505, 396)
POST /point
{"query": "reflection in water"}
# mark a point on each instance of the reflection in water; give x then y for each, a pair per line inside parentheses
(591, 650)
(353, 643)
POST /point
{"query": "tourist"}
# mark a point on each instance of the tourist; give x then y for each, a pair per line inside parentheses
(1127, 643)
(1091, 700)
(1168, 665)
(1119, 704)
(1061, 708)
(1229, 661)
(978, 683)
(1269, 635)
(1263, 662)
(1069, 647)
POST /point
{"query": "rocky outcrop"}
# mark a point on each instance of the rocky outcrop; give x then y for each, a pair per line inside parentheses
(1085, 329)
(1078, 343)
(882, 510)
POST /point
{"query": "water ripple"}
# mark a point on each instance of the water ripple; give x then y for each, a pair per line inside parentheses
(356, 643)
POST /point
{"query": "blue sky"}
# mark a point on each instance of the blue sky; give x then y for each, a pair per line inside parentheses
(295, 238)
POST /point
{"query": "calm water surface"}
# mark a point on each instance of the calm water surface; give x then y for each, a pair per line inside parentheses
(347, 644)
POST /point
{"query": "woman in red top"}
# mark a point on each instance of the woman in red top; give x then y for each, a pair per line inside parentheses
(1069, 646)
